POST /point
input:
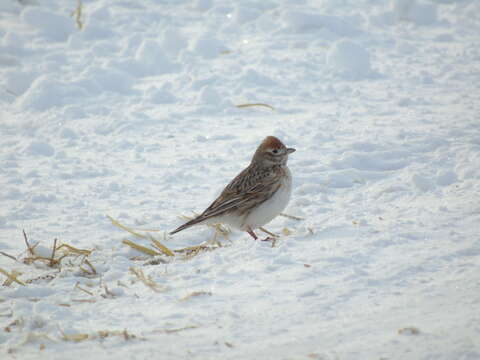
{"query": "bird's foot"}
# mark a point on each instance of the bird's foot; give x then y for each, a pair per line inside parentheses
(272, 239)
(269, 238)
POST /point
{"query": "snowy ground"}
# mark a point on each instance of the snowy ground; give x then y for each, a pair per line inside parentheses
(135, 116)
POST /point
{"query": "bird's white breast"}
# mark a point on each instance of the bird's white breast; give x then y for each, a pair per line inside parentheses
(270, 208)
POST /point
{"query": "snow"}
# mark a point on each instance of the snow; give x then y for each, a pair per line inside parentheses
(349, 59)
(135, 116)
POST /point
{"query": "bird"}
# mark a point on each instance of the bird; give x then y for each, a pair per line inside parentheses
(256, 195)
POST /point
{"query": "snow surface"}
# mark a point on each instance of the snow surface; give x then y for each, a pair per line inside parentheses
(135, 116)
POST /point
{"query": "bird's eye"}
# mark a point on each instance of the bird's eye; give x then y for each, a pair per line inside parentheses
(275, 151)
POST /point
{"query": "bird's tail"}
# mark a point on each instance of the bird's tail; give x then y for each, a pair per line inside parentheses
(187, 225)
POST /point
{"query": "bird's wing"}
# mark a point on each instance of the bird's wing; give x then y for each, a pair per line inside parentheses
(242, 193)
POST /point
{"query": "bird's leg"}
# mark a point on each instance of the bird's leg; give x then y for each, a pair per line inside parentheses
(251, 233)
(255, 237)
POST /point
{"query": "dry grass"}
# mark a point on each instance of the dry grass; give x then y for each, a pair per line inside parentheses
(242, 106)
(78, 14)
(140, 248)
(195, 294)
(291, 217)
(101, 334)
(11, 277)
(52, 263)
(147, 280)
(176, 330)
(411, 330)
(159, 249)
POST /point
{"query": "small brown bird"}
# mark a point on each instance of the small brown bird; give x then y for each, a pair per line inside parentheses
(256, 195)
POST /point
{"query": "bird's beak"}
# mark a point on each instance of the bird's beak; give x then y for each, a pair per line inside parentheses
(291, 150)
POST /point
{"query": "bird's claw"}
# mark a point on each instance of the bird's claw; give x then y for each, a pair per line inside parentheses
(272, 239)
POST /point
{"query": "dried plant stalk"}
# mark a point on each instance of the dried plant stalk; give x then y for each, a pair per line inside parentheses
(240, 106)
(74, 337)
(74, 250)
(173, 331)
(196, 293)
(147, 280)
(268, 232)
(92, 270)
(141, 248)
(52, 257)
(78, 14)
(161, 247)
(8, 255)
(30, 248)
(291, 217)
(77, 286)
(126, 228)
(11, 277)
